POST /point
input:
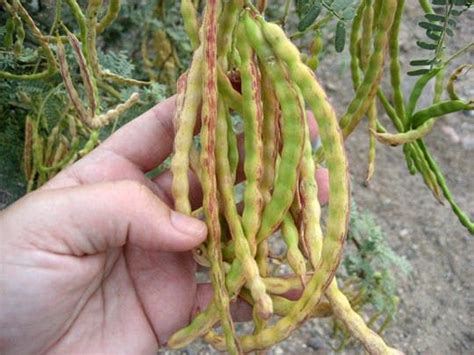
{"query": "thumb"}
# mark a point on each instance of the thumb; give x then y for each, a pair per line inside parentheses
(90, 219)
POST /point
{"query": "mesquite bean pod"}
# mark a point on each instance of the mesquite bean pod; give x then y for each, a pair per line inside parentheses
(253, 121)
(405, 137)
(292, 139)
(372, 342)
(365, 49)
(395, 67)
(368, 87)
(463, 217)
(322, 277)
(450, 88)
(439, 109)
(208, 175)
(184, 135)
(191, 25)
(293, 254)
(242, 246)
(280, 186)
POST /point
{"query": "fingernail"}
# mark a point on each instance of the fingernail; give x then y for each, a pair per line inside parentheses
(187, 225)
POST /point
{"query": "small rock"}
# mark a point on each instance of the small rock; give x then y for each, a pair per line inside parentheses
(468, 142)
(278, 351)
(451, 133)
(403, 232)
(315, 344)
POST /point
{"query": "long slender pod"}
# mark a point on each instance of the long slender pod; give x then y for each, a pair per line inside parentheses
(43, 42)
(439, 85)
(395, 68)
(423, 167)
(292, 144)
(184, 134)
(333, 243)
(354, 44)
(440, 109)
(463, 217)
(293, 254)
(365, 50)
(343, 311)
(242, 247)
(253, 124)
(417, 91)
(208, 174)
(233, 150)
(325, 116)
(109, 17)
(338, 206)
(191, 24)
(450, 87)
(231, 96)
(227, 20)
(311, 211)
(405, 137)
(368, 87)
(90, 46)
(271, 119)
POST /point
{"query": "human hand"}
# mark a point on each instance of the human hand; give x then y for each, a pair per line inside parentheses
(96, 261)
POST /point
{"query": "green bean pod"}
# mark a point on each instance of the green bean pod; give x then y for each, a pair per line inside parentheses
(450, 87)
(439, 109)
(191, 25)
(405, 137)
(292, 142)
(339, 197)
(423, 167)
(9, 33)
(231, 96)
(368, 87)
(315, 50)
(312, 236)
(252, 113)
(354, 44)
(366, 35)
(417, 91)
(365, 50)
(20, 35)
(438, 87)
(294, 256)
(109, 17)
(463, 217)
(227, 20)
(242, 247)
(271, 119)
(395, 68)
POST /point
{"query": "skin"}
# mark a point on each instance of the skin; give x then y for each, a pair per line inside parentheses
(98, 261)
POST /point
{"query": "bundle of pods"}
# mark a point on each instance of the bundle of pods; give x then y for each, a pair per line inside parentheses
(280, 196)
